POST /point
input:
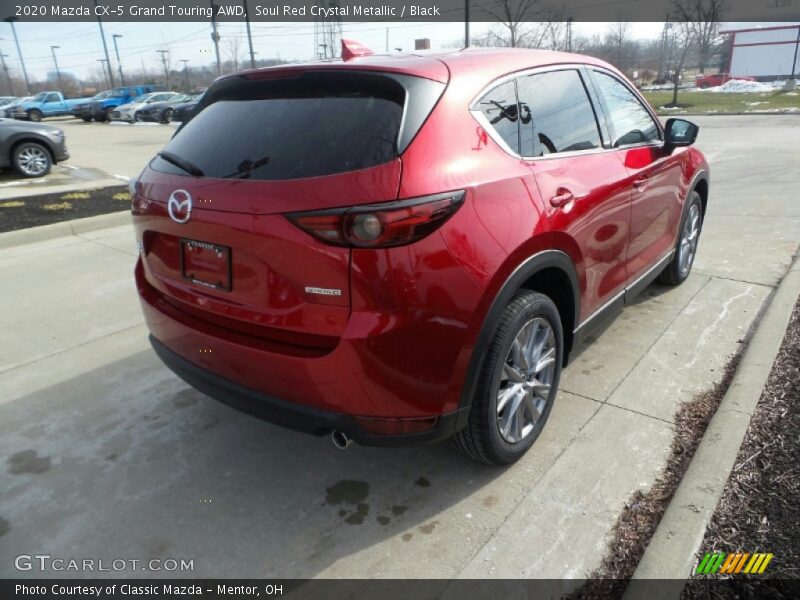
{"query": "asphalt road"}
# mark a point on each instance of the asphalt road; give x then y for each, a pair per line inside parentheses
(105, 454)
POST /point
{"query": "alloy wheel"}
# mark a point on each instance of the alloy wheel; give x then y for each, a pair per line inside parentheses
(525, 380)
(33, 161)
(689, 238)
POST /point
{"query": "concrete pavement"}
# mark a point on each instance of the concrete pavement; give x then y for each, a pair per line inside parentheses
(101, 155)
(105, 454)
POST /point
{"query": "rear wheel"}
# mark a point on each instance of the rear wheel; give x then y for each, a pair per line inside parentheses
(679, 268)
(166, 116)
(518, 382)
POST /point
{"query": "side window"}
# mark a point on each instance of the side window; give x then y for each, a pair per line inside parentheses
(499, 106)
(631, 123)
(556, 114)
(52, 98)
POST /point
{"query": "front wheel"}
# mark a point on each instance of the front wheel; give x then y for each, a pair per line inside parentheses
(680, 266)
(166, 116)
(32, 160)
(518, 381)
(35, 116)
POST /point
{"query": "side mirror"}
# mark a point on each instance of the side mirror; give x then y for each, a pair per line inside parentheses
(679, 132)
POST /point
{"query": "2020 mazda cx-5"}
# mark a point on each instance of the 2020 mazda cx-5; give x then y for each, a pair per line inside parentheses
(406, 248)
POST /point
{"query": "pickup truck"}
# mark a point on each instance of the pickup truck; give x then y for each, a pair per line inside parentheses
(45, 104)
(103, 104)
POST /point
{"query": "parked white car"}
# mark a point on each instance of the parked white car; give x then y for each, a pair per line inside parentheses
(127, 112)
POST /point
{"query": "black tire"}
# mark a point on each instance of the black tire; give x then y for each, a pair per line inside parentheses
(31, 159)
(481, 439)
(166, 116)
(673, 274)
(35, 115)
(86, 119)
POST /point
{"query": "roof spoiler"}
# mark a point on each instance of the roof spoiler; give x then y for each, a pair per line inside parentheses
(353, 49)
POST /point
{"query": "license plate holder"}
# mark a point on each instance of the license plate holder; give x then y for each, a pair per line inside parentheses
(206, 264)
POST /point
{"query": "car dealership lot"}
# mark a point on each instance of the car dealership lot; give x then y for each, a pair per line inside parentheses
(105, 454)
(101, 154)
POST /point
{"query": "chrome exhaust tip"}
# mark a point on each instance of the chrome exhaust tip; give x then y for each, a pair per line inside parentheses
(340, 439)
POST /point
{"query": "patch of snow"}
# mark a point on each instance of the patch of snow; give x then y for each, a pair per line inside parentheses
(755, 103)
(740, 86)
(146, 124)
(119, 123)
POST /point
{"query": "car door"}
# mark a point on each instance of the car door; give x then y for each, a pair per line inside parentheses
(581, 183)
(52, 104)
(654, 176)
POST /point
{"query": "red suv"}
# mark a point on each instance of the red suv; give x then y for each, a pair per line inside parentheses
(401, 249)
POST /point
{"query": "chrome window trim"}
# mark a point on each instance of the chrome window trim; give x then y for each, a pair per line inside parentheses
(492, 132)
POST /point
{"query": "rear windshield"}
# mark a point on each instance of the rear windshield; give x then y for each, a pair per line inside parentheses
(291, 128)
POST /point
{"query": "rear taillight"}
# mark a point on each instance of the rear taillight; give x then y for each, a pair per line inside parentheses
(380, 225)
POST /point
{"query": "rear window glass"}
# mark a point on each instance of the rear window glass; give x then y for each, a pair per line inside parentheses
(291, 128)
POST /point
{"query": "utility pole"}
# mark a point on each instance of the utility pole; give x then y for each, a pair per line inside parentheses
(10, 21)
(104, 62)
(569, 34)
(5, 70)
(58, 72)
(466, 23)
(215, 36)
(185, 62)
(119, 62)
(163, 54)
(105, 46)
(324, 50)
(249, 37)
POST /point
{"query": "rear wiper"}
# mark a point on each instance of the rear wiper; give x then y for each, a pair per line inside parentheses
(181, 163)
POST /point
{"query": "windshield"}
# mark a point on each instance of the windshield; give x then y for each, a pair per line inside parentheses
(104, 95)
(308, 126)
(40, 97)
(140, 99)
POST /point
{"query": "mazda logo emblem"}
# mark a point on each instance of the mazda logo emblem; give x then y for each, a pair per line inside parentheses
(179, 206)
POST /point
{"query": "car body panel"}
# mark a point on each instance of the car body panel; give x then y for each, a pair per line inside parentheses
(13, 132)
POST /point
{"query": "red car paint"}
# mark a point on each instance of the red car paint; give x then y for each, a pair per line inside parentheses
(707, 81)
(394, 351)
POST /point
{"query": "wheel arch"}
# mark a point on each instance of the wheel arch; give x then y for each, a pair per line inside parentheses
(550, 272)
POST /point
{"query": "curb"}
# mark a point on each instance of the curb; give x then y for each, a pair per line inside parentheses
(672, 550)
(63, 229)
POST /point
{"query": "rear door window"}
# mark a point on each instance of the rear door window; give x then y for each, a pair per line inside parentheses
(631, 123)
(314, 124)
(556, 114)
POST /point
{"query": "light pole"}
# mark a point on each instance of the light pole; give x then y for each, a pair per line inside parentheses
(119, 62)
(466, 24)
(58, 72)
(10, 21)
(105, 46)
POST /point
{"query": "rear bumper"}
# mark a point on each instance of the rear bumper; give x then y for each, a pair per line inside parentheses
(298, 417)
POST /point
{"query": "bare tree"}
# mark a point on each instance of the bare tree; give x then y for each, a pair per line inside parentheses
(617, 37)
(235, 51)
(684, 39)
(703, 16)
(512, 15)
(549, 31)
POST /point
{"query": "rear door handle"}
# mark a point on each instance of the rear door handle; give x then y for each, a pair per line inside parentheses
(563, 197)
(640, 184)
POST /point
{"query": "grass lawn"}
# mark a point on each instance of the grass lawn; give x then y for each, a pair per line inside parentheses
(711, 102)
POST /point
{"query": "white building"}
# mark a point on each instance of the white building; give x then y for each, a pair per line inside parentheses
(765, 52)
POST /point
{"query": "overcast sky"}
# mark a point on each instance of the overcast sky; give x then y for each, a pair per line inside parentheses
(80, 44)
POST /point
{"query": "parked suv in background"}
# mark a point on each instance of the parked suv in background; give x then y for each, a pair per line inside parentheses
(103, 104)
(407, 248)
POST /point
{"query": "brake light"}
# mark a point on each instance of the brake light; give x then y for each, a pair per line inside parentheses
(380, 225)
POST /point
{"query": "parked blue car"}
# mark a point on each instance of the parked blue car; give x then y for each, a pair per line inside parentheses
(103, 104)
(45, 104)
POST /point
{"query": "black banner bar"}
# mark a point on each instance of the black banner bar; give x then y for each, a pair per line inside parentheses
(374, 10)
